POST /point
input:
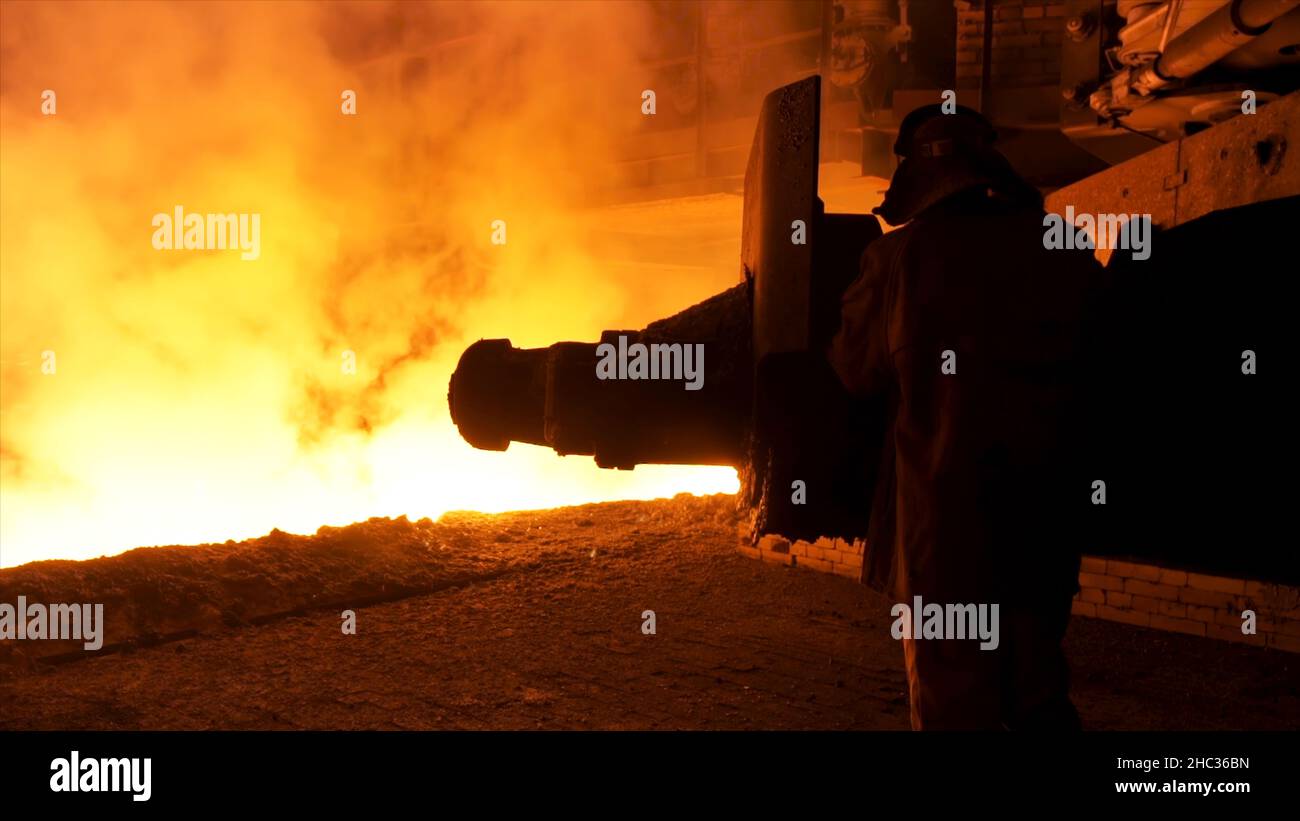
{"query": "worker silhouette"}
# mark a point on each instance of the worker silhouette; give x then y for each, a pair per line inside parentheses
(978, 338)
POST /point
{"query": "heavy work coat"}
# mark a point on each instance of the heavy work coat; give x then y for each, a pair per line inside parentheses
(983, 492)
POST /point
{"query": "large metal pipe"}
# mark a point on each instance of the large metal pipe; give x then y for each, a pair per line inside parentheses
(558, 398)
(760, 396)
(1210, 40)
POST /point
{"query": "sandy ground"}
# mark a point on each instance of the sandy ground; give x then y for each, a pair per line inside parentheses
(534, 620)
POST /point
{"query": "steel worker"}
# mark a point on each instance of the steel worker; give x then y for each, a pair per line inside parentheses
(979, 338)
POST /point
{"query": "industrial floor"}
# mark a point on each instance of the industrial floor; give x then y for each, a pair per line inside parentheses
(541, 628)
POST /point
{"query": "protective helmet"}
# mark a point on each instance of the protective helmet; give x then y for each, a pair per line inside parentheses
(945, 154)
(929, 132)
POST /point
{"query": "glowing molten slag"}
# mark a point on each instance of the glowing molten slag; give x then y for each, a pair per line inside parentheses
(140, 490)
(187, 395)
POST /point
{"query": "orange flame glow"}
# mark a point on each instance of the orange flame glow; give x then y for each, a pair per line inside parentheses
(195, 396)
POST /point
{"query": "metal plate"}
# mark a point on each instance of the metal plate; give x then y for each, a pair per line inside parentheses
(781, 187)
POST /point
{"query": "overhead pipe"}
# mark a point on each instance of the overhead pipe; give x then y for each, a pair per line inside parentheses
(1209, 41)
(1172, 11)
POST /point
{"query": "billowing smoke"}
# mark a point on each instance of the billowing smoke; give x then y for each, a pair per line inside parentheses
(169, 396)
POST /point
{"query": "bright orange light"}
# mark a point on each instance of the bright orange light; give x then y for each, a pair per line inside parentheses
(199, 397)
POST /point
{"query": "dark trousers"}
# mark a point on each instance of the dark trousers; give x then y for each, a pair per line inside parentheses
(1023, 684)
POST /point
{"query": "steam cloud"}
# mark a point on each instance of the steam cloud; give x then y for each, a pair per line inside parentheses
(199, 397)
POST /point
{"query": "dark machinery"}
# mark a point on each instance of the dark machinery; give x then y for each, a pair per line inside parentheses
(769, 404)
(1186, 437)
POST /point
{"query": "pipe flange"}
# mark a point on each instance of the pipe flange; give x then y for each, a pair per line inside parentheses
(1234, 12)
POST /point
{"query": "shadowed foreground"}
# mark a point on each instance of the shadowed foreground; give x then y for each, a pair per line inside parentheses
(533, 620)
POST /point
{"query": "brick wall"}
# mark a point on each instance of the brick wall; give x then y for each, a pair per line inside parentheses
(1026, 42)
(836, 556)
(1201, 605)
(1134, 593)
